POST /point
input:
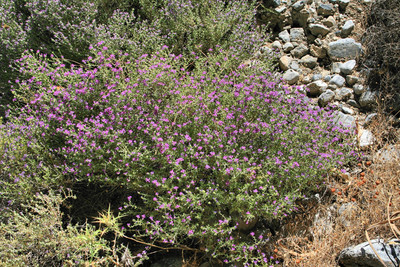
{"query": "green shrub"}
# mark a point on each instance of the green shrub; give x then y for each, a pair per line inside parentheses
(199, 151)
(35, 236)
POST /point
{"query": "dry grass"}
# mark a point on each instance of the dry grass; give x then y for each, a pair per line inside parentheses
(372, 194)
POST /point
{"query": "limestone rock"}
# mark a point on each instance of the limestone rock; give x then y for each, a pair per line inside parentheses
(367, 99)
(347, 67)
(358, 89)
(284, 62)
(335, 68)
(370, 118)
(291, 76)
(300, 51)
(309, 61)
(351, 80)
(318, 29)
(325, 10)
(294, 65)
(297, 34)
(337, 80)
(353, 103)
(276, 45)
(363, 254)
(329, 22)
(344, 48)
(347, 28)
(317, 87)
(317, 51)
(366, 138)
(301, 17)
(284, 36)
(347, 110)
(287, 47)
(326, 97)
(345, 120)
(343, 94)
(299, 5)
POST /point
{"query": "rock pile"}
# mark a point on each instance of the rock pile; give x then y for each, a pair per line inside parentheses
(317, 43)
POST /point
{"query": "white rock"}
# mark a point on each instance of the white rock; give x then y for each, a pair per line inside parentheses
(366, 138)
(347, 67)
(291, 76)
(337, 80)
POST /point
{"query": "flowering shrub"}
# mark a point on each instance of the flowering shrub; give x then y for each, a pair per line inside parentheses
(201, 152)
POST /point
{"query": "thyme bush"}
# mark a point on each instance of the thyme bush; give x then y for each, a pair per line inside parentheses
(201, 152)
(67, 28)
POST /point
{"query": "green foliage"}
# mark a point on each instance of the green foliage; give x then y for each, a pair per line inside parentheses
(35, 236)
(200, 152)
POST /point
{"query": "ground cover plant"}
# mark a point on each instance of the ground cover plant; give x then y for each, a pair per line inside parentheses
(198, 144)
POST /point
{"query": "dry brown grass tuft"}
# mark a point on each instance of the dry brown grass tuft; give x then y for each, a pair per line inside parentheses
(354, 207)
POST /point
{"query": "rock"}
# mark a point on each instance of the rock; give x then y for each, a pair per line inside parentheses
(318, 42)
(347, 110)
(335, 68)
(388, 154)
(358, 89)
(309, 61)
(343, 94)
(366, 138)
(370, 118)
(316, 88)
(363, 255)
(337, 80)
(332, 86)
(343, 5)
(329, 22)
(325, 10)
(287, 47)
(347, 67)
(276, 45)
(301, 17)
(297, 34)
(295, 65)
(353, 103)
(347, 28)
(345, 120)
(171, 261)
(284, 62)
(317, 76)
(318, 29)
(284, 36)
(367, 99)
(306, 80)
(351, 80)
(317, 51)
(344, 48)
(326, 97)
(299, 5)
(300, 51)
(291, 76)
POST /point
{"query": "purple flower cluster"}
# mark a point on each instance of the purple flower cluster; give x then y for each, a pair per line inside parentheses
(195, 148)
